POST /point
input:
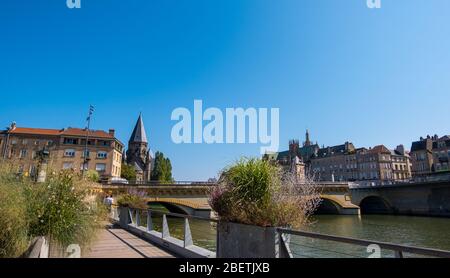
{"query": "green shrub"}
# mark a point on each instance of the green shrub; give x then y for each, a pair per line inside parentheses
(256, 192)
(14, 238)
(133, 199)
(62, 209)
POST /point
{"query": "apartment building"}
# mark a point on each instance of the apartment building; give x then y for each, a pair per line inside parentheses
(430, 155)
(374, 165)
(65, 147)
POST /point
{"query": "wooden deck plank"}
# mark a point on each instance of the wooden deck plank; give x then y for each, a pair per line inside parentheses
(118, 243)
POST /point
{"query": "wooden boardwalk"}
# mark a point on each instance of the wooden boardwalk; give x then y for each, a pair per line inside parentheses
(117, 243)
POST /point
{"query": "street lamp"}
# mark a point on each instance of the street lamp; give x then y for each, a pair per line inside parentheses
(42, 156)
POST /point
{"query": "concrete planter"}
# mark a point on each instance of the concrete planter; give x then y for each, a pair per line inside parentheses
(246, 241)
(124, 217)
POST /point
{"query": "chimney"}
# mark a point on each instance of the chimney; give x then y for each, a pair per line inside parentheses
(112, 132)
(400, 149)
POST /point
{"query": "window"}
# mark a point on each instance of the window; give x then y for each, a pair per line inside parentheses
(24, 142)
(67, 165)
(70, 141)
(104, 143)
(100, 167)
(102, 155)
(23, 153)
(88, 153)
(69, 153)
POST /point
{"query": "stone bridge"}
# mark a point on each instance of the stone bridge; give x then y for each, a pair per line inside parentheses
(191, 197)
(422, 198)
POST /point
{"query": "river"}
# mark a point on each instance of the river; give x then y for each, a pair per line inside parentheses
(408, 230)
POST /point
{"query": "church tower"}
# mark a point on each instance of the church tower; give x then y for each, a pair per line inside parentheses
(138, 154)
(307, 142)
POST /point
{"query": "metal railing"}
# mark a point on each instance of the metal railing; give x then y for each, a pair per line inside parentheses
(184, 247)
(399, 250)
(189, 183)
(288, 242)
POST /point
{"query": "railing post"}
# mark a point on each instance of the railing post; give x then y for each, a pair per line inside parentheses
(284, 251)
(130, 214)
(138, 217)
(398, 254)
(165, 228)
(149, 221)
(187, 234)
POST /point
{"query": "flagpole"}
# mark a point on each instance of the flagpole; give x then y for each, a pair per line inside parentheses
(86, 159)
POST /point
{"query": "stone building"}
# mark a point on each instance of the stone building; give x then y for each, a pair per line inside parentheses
(401, 164)
(138, 154)
(441, 154)
(430, 155)
(335, 163)
(65, 149)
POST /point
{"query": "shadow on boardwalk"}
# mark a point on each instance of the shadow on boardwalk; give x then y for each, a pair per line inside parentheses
(113, 242)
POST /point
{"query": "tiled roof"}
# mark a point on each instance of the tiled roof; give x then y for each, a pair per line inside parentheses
(57, 132)
(379, 149)
(37, 131)
(331, 150)
(83, 132)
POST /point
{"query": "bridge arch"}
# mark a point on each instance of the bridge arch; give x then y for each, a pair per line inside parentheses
(375, 205)
(328, 206)
(174, 208)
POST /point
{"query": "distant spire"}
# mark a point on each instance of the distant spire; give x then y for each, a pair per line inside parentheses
(139, 135)
(307, 141)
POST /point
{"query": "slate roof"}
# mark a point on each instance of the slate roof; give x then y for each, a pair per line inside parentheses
(139, 135)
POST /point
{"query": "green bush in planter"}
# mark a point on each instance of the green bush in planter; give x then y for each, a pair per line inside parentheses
(257, 192)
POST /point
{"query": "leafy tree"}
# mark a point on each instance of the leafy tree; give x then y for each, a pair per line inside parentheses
(128, 172)
(162, 171)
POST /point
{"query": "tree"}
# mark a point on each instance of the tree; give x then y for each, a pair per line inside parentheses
(162, 171)
(93, 176)
(128, 172)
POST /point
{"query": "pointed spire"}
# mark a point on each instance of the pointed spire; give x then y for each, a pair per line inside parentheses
(139, 135)
(307, 141)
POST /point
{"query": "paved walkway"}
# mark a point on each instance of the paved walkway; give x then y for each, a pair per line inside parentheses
(118, 243)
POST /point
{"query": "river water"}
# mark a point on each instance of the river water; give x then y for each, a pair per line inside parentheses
(407, 230)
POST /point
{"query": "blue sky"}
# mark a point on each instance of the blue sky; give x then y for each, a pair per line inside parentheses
(346, 72)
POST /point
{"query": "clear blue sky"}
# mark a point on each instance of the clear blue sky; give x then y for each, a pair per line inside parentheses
(342, 70)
